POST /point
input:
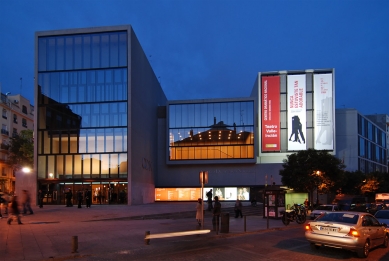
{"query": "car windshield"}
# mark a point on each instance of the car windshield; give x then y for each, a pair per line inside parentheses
(324, 208)
(349, 218)
(382, 214)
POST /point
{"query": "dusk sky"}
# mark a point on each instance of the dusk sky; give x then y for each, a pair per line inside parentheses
(215, 48)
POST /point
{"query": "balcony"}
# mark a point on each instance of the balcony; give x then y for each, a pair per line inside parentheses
(4, 132)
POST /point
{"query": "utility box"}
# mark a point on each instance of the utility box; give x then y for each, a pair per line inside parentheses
(274, 203)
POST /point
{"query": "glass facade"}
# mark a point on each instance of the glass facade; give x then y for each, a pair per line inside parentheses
(372, 147)
(213, 130)
(82, 115)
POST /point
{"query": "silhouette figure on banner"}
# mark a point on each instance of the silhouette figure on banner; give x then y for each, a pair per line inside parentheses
(297, 130)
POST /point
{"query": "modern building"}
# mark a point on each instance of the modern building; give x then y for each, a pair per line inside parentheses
(361, 143)
(382, 121)
(17, 115)
(96, 122)
(105, 124)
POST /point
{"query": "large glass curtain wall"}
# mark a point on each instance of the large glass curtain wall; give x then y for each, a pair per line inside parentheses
(82, 107)
(218, 130)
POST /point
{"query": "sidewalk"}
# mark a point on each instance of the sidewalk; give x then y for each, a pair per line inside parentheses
(48, 233)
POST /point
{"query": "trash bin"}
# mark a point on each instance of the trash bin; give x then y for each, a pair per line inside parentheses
(225, 223)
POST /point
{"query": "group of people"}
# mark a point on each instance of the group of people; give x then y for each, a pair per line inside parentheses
(11, 206)
(215, 207)
(80, 195)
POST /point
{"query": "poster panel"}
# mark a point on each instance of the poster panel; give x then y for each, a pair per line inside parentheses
(177, 194)
(270, 113)
(323, 107)
(296, 86)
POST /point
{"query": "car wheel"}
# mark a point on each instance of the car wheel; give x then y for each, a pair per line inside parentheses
(314, 246)
(364, 252)
(386, 241)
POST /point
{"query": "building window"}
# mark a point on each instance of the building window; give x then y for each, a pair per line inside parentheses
(24, 123)
(3, 172)
(4, 113)
(4, 129)
(219, 130)
(24, 109)
(15, 118)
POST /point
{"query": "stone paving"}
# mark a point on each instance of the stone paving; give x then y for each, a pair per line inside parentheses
(54, 232)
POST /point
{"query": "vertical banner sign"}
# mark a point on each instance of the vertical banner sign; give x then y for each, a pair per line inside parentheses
(323, 107)
(270, 113)
(296, 112)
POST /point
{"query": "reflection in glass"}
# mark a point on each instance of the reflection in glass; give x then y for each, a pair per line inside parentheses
(195, 132)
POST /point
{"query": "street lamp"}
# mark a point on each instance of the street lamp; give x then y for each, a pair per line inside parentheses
(318, 173)
(26, 170)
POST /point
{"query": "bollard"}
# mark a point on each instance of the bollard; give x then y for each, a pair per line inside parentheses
(147, 241)
(0, 210)
(217, 224)
(74, 244)
(244, 223)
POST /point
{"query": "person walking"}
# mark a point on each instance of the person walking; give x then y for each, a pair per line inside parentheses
(79, 198)
(40, 198)
(216, 214)
(14, 209)
(26, 201)
(209, 197)
(69, 196)
(198, 211)
(88, 198)
(238, 209)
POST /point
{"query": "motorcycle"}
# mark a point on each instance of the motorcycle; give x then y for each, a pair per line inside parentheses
(297, 213)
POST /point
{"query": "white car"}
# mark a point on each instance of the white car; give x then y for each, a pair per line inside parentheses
(323, 209)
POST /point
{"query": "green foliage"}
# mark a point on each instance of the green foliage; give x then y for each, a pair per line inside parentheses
(21, 150)
(310, 169)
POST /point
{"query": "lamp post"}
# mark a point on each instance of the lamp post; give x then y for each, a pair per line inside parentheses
(318, 173)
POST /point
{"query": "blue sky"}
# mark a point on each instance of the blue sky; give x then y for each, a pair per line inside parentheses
(214, 49)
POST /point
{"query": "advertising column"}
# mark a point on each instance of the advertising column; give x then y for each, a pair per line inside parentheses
(270, 113)
(323, 106)
(296, 112)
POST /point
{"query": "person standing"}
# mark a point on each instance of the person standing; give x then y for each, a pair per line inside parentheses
(238, 209)
(69, 196)
(198, 211)
(79, 198)
(40, 198)
(88, 198)
(216, 214)
(209, 197)
(26, 201)
(14, 209)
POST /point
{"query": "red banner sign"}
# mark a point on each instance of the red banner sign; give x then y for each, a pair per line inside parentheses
(270, 113)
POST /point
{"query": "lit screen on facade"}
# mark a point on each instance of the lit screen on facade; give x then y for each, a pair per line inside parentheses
(192, 194)
(297, 111)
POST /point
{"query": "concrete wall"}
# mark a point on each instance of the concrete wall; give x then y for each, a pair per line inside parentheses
(145, 95)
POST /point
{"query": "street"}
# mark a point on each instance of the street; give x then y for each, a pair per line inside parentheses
(284, 244)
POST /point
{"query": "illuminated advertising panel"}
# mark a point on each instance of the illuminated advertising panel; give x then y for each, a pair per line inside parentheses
(192, 194)
(323, 106)
(270, 113)
(296, 87)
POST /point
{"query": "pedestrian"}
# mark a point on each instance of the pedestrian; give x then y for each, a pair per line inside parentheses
(198, 211)
(216, 214)
(7, 199)
(238, 209)
(88, 198)
(209, 196)
(40, 198)
(26, 202)
(14, 209)
(69, 196)
(79, 198)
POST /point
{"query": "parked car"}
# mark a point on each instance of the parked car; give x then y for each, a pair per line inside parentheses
(322, 209)
(382, 216)
(355, 231)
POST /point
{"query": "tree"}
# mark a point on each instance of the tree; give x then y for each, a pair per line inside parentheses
(351, 182)
(311, 169)
(21, 150)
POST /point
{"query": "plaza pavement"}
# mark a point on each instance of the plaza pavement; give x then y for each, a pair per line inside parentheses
(49, 234)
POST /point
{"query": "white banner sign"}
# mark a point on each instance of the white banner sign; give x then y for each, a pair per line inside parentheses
(323, 107)
(296, 112)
